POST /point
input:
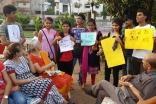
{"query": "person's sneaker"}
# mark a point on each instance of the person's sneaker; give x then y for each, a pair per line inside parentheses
(89, 92)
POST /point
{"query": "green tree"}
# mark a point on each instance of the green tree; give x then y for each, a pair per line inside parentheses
(52, 2)
(38, 23)
(58, 22)
(120, 8)
(22, 19)
(50, 11)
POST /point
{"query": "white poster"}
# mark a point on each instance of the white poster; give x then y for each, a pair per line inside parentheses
(13, 33)
(66, 44)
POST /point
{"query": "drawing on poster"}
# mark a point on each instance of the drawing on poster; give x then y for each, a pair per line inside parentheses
(13, 33)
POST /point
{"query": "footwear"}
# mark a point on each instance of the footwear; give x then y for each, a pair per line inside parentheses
(89, 92)
(69, 102)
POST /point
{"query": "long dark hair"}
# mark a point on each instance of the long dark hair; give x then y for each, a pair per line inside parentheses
(12, 49)
(93, 21)
(47, 18)
(119, 22)
(69, 24)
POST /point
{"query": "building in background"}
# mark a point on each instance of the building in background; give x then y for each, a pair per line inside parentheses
(26, 6)
(77, 6)
(38, 7)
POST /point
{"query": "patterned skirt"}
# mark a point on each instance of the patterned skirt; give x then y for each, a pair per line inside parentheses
(44, 89)
(93, 62)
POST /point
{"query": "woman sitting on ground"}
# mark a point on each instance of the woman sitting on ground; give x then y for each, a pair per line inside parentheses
(42, 63)
(20, 69)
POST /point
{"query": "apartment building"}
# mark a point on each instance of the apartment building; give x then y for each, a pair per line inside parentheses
(77, 6)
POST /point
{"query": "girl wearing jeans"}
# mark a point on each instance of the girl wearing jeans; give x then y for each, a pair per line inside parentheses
(9, 94)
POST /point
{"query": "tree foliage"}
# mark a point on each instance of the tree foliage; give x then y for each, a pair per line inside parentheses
(50, 11)
(120, 8)
(52, 2)
(58, 22)
(38, 23)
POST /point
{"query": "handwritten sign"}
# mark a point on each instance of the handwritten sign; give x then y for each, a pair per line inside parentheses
(113, 58)
(141, 38)
(77, 32)
(88, 38)
(13, 33)
(66, 44)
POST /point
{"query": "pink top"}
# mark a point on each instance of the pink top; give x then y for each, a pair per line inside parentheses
(44, 43)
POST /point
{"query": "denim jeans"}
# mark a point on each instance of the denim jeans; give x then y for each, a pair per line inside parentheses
(16, 97)
(74, 62)
(127, 67)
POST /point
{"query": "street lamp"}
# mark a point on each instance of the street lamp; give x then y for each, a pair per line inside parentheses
(78, 5)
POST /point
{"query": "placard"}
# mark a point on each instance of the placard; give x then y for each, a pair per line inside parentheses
(113, 58)
(88, 38)
(13, 33)
(139, 38)
(66, 44)
(77, 32)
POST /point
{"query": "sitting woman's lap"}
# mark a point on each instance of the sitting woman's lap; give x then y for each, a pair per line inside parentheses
(16, 97)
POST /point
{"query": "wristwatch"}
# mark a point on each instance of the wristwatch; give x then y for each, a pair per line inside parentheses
(6, 97)
(130, 85)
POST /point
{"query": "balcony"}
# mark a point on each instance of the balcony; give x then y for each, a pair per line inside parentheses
(23, 9)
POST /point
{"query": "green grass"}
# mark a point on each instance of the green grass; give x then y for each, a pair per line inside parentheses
(28, 34)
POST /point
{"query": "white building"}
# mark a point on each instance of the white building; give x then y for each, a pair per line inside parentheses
(63, 6)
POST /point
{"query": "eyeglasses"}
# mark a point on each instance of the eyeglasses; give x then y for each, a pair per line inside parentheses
(78, 19)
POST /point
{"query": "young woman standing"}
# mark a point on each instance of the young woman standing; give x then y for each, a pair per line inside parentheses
(46, 36)
(90, 60)
(65, 59)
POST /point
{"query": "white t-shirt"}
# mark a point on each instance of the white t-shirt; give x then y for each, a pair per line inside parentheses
(139, 53)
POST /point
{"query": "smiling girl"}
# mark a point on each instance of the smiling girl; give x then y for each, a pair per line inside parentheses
(46, 36)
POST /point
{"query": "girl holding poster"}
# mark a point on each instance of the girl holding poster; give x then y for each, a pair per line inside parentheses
(90, 61)
(117, 34)
(65, 58)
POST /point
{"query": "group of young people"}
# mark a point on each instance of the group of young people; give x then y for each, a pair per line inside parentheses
(25, 74)
(139, 85)
(28, 71)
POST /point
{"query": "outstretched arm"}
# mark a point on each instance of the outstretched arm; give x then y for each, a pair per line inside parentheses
(149, 101)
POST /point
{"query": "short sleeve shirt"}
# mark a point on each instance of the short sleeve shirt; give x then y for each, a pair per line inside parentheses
(140, 53)
(3, 28)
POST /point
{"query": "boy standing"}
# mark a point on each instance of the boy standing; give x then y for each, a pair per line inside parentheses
(127, 67)
(5, 31)
(78, 49)
(139, 54)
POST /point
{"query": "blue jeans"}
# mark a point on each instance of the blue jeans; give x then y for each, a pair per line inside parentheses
(16, 97)
(74, 62)
(128, 66)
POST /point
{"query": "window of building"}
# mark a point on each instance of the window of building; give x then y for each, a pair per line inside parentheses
(24, 4)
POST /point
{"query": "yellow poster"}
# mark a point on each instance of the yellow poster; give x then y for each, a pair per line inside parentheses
(139, 38)
(113, 58)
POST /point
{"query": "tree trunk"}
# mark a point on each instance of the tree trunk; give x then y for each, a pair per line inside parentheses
(150, 7)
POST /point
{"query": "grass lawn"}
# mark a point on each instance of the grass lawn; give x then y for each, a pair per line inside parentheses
(28, 34)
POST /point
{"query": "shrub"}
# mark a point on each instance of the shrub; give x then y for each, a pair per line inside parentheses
(59, 20)
(38, 23)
